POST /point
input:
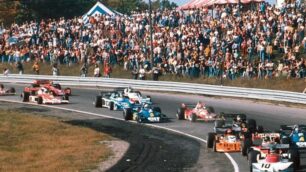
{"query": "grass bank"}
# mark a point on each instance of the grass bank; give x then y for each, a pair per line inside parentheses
(35, 143)
(281, 83)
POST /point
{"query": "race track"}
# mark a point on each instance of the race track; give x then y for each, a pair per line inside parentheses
(271, 116)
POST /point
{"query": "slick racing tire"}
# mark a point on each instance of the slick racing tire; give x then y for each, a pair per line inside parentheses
(66, 97)
(215, 145)
(39, 100)
(252, 158)
(98, 102)
(127, 114)
(25, 96)
(294, 156)
(193, 117)
(111, 105)
(210, 109)
(210, 140)
(180, 114)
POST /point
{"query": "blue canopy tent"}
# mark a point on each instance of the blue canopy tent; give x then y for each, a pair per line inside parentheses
(99, 9)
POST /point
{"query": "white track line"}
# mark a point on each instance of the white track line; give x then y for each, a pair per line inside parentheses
(233, 162)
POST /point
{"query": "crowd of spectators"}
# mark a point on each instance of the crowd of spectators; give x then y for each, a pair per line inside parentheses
(256, 41)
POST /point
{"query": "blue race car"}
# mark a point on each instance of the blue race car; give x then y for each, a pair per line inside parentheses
(294, 135)
(113, 101)
(144, 113)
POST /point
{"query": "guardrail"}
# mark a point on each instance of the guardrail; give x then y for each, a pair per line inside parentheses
(263, 94)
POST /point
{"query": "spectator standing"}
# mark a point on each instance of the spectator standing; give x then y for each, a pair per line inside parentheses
(84, 70)
(97, 71)
(35, 68)
(107, 70)
(142, 73)
(19, 67)
(135, 73)
(155, 72)
(6, 72)
(55, 70)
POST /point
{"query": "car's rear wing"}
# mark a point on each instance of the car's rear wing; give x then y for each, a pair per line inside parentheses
(276, 146)
(264, 135)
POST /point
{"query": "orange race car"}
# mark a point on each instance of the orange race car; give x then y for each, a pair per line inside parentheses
(229, 141)
(224, 142)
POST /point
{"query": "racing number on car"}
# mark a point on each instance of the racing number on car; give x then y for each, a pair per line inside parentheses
(265, 166)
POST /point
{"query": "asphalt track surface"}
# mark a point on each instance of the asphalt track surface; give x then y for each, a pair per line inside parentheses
(270, 116)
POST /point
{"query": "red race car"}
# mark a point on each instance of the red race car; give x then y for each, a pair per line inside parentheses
(55, 87)
(43, 95)
(196, 112)
(7, 92)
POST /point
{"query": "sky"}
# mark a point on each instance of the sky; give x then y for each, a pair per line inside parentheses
(181, 2)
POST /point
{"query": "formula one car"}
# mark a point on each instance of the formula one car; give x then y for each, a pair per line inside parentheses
(145, 113)
(273, 157)
(237, 122)
(196, 112)
(228, 142)
(55, 87)
(7, 92)
(294, 135)
(42, 95)
(113, 101)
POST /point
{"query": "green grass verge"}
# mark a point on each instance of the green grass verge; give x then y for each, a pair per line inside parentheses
(35, 143)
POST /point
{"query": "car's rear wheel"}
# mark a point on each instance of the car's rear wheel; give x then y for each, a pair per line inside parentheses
(111, 105)
(98, 101)
(193, 117)
(180, 114)
(252, 158)
(210, 109)
(210, 140)
(66, 97)
(127, 114)
(215, 145)
(25, 96)
(39, 100)
(138, 119)
(294, 156)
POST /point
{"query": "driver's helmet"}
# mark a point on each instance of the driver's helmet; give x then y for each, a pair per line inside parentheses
(44, 90)
(296, 128)
(146, 106)
(229, 131)
(238, 118)
(200, 105)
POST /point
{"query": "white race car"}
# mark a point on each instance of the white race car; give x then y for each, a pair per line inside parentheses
(275, 157)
